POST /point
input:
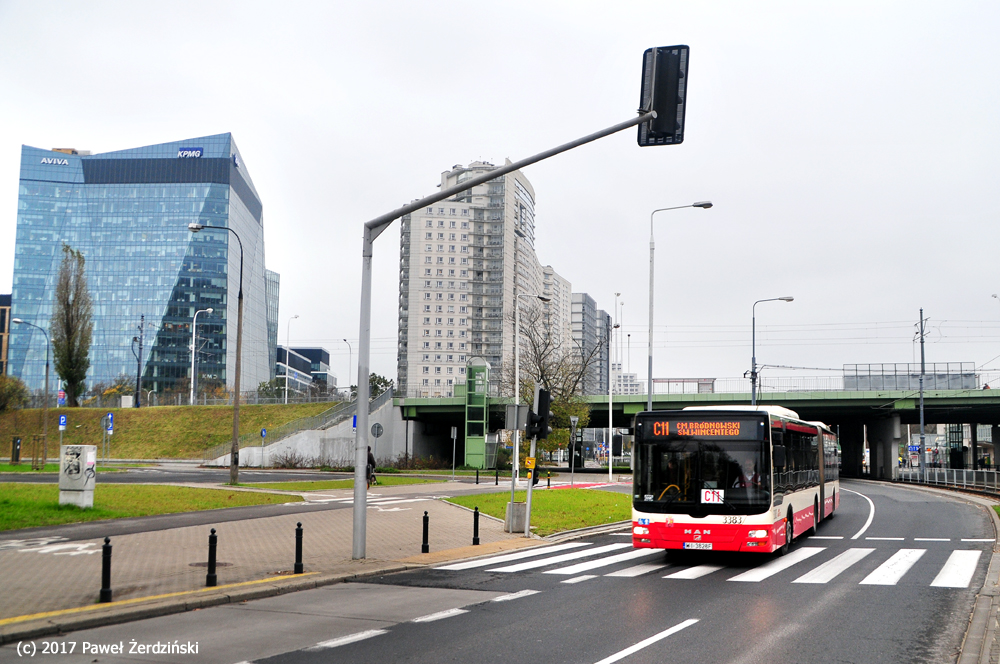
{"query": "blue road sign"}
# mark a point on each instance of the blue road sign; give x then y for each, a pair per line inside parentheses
(263, 433)
(62, 422)
(111, 422)
(914, 448)
(354, 423)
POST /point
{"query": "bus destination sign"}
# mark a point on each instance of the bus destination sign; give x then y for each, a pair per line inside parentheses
(712, 429)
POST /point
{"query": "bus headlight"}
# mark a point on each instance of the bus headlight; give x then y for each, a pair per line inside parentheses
(757, 534)
(640, 530)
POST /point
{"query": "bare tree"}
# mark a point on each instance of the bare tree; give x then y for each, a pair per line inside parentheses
(72, 324)
(545, 361)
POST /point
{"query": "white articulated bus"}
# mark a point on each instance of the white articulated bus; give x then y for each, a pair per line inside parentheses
(731, 478)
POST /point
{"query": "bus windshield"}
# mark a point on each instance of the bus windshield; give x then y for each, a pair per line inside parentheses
(699, 477)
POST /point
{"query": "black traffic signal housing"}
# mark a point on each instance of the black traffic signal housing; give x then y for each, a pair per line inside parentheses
(664, 90)
(539, 423)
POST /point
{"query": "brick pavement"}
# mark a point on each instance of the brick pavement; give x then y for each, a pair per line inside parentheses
(49, 576)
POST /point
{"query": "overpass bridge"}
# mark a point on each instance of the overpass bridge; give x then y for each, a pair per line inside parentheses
(429, 420)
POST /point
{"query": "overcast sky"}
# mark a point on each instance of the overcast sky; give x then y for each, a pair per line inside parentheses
(850, 148)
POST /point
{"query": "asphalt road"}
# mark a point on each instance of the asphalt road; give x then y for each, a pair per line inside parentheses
(891, 580)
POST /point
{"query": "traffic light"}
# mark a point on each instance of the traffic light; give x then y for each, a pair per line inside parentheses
(538, 423)
(664, 90)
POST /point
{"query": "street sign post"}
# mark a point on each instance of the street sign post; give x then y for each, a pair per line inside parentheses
(62, 427)
(62, 398)
(454, 436)
(263, 435)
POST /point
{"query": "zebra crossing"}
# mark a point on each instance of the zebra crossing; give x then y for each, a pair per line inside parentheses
(582, 561)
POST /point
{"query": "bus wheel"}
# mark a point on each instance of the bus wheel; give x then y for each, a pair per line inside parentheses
(788, 535)
(815, 526)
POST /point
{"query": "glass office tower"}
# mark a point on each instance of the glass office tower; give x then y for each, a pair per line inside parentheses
(128, 212)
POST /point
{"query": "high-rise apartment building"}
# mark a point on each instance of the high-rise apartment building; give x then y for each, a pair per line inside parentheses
(590, 329)
(128, 213)
(462, 263)
(557, 311)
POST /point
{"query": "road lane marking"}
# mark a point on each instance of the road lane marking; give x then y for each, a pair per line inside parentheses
(771, 568)
(871, 512)
(991, 539)
(544, 562)
(518, 595)
(829, 537)
(891, 571)
(583, 577)
(958, 570)
(886, 539)
(344, 640)
(694, 572)
(931, 539)
(638, 570)
(603, 562)
(482, 562)
(440, 615)
(647, 642)
(831, 568)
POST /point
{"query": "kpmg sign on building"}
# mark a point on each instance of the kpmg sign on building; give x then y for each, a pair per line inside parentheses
(189, 153)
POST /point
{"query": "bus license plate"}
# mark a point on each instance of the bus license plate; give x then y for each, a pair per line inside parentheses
(698, 545)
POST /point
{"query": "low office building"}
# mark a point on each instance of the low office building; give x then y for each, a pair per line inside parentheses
(319, 359)
(128, 213)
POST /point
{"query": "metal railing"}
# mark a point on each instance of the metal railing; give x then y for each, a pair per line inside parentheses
(979, 480)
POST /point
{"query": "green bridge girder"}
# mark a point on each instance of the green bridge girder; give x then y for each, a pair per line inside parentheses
(832, 407)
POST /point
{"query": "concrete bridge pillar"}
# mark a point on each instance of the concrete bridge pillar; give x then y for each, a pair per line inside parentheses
(852, 447)
(883, 441)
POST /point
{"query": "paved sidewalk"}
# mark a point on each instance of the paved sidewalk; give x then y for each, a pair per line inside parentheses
(62, 579)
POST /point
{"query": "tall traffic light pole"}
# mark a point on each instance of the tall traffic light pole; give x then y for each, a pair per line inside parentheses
(653, 104)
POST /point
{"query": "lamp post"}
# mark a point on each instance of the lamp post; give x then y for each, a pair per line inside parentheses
(194, 349)
(45, 400)
(753, 345)
(288, 350)
(234, 456)
(138, 360)
(517, 394)
(649, 378)
(611, 412)
(350, 363)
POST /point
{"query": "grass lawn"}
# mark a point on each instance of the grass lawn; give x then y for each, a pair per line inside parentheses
(337, 484)
(31, 505)
(557, 511)
(164, 432)
(25, 467)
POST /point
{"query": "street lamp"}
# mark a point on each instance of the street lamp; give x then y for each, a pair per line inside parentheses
(610, 441)
(517, 393)
(234, 456)
(288, 350)
(649, 378)
(753, 345)
(45, 401)
(194, 349)
(350, 364)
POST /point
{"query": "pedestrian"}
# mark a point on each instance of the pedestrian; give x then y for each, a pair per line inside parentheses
(371, 467)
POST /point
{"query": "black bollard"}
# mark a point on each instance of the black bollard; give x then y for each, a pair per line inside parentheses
(211, 579)
(425, 547)
(477, 476)
(548, 480)
(298, 549)
(496, 477)
(475, 527)
(106, 571)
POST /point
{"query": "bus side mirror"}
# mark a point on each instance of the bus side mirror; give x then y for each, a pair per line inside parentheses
(779, 456)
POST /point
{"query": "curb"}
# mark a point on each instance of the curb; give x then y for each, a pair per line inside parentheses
(141, 608)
